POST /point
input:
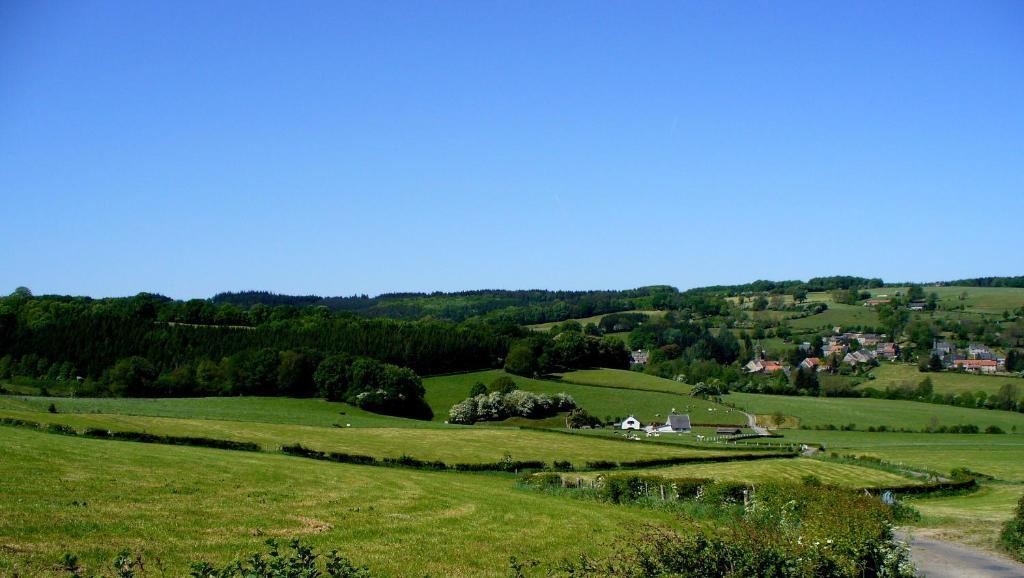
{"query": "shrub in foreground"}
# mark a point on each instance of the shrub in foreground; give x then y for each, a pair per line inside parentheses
(297, 561)
(1012, 537)
(786, 531)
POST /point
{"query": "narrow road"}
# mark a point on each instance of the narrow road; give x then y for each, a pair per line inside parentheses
(940, 559)
(752, 424)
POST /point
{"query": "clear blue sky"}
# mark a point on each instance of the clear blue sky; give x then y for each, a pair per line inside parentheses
(348, 147)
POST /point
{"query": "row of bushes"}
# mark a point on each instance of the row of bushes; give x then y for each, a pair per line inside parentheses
(506, 465)
(655, 462)
(954, 429)
(630, 488)
(133, 436)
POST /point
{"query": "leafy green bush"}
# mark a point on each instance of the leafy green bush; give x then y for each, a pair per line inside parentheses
(786, 531)
(1012, 536)
(299, 561)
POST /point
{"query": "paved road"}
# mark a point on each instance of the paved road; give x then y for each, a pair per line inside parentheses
(940, 559)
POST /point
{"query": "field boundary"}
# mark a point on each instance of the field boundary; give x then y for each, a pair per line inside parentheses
(298, 450)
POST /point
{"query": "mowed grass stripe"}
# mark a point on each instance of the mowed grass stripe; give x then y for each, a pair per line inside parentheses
(779, 470)
(819, 411)
(453, 445)
(93, 497)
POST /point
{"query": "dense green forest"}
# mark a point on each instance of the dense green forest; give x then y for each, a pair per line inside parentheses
(519, 307)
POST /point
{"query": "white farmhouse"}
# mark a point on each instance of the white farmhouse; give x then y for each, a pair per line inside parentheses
(630, 423)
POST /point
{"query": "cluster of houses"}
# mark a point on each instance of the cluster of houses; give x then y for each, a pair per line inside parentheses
(977, 358)
(852, 348)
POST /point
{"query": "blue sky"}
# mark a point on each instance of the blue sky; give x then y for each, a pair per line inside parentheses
(363, 147)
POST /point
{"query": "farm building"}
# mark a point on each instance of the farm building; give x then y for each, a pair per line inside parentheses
(676, 423)
(763, 366)
(630, 423)
(977, 365)
(728, 431)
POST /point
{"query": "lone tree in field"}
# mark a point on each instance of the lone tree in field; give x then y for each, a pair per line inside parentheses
(778, 419)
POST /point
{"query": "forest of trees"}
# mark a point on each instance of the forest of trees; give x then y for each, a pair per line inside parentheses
(121, 346)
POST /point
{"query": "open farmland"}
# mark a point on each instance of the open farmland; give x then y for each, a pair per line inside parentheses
(624, 379)
(983, 300)
(466, 444)
(279, 410)
(838, 314)
(897, 375)
(595, 319)
(994, 455)
(864, 412)
(95, 497)
(601, 401)
(791, 470)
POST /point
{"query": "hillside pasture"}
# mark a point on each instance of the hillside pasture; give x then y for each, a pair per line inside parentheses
(838, 314)
(595, 319)
(623, 379)
(601, 401)
(995, 455)
(982, 300)
(863, 412)
(93, 498)
(897, 375)
(465, 444)
(778, 470)
(278, 410)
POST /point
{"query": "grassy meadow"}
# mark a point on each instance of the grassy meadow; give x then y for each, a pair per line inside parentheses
(624, 379)
(595, 319)
(466, 444)
(788, 470)
(902, 374)
(276, 410)
(93, 497)
(602, 401)
(995, 455)
(864, 412)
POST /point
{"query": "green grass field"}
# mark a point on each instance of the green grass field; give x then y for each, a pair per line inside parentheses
(974, 519)
(93, 497)
(624, 379)
(1001, 456)
(280, 410)
(595, 319)
(901, 374)
(602, 401)
(838, 314)
(818, 411)
(467, 444)
(789, 470)
(985, 300)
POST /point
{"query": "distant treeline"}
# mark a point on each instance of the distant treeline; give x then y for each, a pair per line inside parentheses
(788, 287)
(518, 307)
(990, 282)
(67, 337)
